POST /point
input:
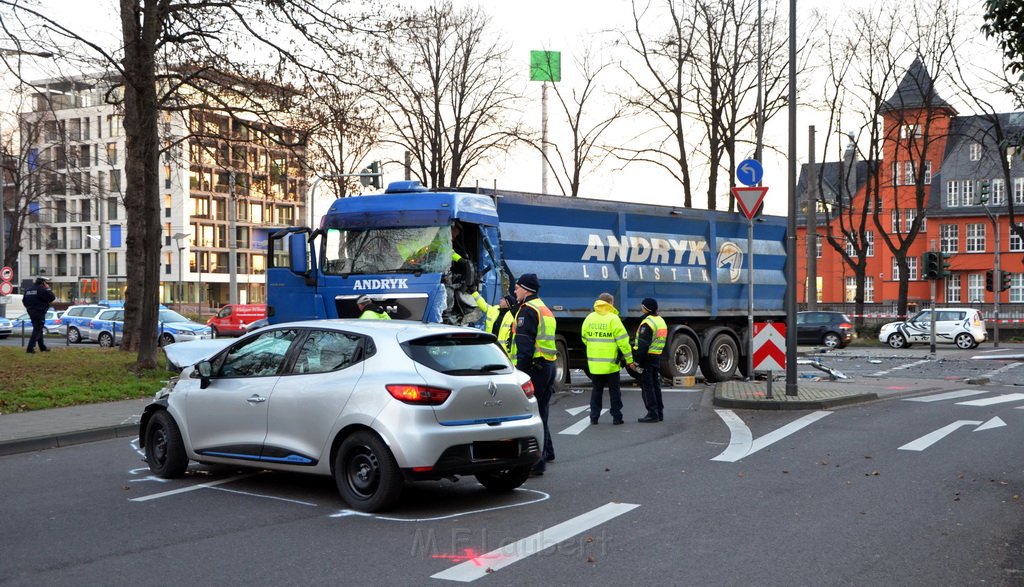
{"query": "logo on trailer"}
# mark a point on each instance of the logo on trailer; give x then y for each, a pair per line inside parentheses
(730, 255)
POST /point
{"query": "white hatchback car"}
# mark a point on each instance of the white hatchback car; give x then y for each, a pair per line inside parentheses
(963, 327)
(372, 403)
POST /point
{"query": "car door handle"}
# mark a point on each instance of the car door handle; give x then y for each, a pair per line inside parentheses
(256, 399)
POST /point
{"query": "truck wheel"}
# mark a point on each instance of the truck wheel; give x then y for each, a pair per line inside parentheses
(561, 366)
(681, 358)
(722, 359)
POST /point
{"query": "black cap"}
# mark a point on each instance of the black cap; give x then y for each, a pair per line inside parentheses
(529, 282)
(41, 280)
(650, 305)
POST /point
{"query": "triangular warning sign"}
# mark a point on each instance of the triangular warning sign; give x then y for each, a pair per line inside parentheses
(749, 199)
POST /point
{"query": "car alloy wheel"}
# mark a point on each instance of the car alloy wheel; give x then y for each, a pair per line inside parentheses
(897, 340)
(74, 337)
(831, 340)
(965, 341)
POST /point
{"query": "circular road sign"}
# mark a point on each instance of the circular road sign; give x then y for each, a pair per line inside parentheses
(6, 274)
(6, 288)
(749, 172)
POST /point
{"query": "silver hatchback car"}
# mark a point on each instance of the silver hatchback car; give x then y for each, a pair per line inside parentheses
(372, 403)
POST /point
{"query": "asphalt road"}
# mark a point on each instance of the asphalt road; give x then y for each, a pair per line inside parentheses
(899, 491)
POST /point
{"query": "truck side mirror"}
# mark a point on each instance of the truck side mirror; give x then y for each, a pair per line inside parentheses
(297, 259)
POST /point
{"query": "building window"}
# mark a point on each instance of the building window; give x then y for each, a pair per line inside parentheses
(949, 238)
(111, 208)
(953, 288)
(975, 151)
(952, 193)
(869, 237)
(869, 290)
(998, 187)
(850, 289)
(1016, 244)
(927, 172)
(1017, 287)
(111, 153)
(912, 268)
(895, 173)
(908, 173)
(1018, 190)
(817, 247)
(895, 270)
(910, 131)
(896, 222)
(908, 220)
(112, 264)
(967, 195)
(975, 288)
(115, 180)
(975, 238)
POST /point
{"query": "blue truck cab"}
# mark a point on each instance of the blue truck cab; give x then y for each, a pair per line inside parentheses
(421, 254)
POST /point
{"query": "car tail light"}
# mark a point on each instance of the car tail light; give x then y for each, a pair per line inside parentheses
(528, 389)
(419, 395)
(846, 325)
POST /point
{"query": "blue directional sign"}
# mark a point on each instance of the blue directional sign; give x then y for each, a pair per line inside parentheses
(749, 172)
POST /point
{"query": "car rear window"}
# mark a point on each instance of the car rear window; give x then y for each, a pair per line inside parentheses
(459, 354)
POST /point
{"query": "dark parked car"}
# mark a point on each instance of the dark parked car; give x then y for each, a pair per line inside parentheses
(831, 329)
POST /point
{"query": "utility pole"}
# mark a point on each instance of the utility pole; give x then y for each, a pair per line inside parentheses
(812, 223)
(232, 242)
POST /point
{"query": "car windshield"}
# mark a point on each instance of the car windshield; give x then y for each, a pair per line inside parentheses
(461, 354)
(423, 249)
(172, 316)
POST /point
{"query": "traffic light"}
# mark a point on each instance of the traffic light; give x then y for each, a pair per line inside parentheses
(984, 189)
(944, 264)
(371, 175)
(989, 281)
(1004, 280)
(932, 263)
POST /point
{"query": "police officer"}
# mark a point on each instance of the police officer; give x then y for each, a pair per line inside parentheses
(370, 310)
(605, 337)
(37, 299)
(649, 344)
(535, 352)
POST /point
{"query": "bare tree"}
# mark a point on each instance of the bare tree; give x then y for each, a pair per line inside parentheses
(586, 123)
(177, 55)
(445, 85)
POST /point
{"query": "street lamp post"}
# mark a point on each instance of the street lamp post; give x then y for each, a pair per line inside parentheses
(178, 237)
(997, 274)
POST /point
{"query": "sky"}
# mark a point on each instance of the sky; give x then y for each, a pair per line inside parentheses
(566, 26)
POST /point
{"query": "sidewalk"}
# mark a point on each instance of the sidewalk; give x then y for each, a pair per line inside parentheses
(41, 429)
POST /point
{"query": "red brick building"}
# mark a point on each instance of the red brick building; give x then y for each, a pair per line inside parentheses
(933, 168)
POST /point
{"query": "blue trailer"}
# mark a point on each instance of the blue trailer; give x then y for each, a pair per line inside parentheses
(398, 249)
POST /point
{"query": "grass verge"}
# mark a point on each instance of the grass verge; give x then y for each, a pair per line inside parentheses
(68, 376)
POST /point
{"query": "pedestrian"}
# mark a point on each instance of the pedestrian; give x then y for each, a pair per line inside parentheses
(491, 312)
(605, 338)
(369, 310)
(647, 349)
(37, 299)
(535, 352)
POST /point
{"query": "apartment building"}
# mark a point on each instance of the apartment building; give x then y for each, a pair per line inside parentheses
(227, 183)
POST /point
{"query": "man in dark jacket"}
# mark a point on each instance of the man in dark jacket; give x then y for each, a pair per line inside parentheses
(37, 299)
(535, 352)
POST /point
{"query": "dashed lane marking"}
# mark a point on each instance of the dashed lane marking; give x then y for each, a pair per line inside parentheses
(899, 368)
(990, 401)
(580, 426)
(193, 487)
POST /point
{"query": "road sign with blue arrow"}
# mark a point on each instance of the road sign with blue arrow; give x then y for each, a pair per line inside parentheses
(749, 172)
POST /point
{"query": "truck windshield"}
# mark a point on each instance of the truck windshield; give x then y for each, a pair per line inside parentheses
(421, 249)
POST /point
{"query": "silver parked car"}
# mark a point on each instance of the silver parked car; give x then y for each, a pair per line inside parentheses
(371, 403)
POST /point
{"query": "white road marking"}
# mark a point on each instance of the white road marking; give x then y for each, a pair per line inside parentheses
(989, 401)
(948, 395)
(996, 422)
(543, 497)
(580, 426)
(495, 560)
(577, 410)
(742, 443)
(251, 494)
(193, 487)
(1002, 369)
(933, 437)
(899, 367)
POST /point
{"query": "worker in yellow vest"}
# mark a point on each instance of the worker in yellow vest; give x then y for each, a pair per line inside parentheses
(647, 349)
(491, 312)
(605, 338)
(536, 352)
(369, 310)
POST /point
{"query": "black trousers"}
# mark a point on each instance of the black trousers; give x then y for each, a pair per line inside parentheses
(598, 383)
(542, 374)
(37, 334)
(650, 385)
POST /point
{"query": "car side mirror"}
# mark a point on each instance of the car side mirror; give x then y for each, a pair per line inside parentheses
(205, 370)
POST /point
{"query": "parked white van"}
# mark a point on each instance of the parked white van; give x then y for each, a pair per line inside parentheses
(963, 327)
